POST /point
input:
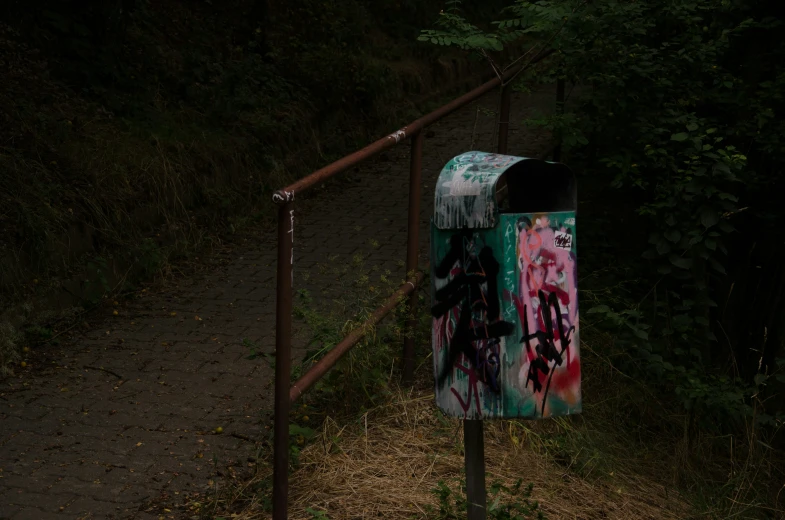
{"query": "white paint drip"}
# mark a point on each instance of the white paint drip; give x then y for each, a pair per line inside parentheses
(460, 187)
(398, 136)
(288, 196)
(291, 232)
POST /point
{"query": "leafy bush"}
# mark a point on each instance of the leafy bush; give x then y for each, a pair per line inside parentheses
(671, 120)
(678, 130)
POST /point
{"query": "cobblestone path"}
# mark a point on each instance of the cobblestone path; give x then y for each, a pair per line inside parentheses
(123, 416)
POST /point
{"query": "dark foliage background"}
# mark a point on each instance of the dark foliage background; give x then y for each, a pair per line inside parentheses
(676, 125)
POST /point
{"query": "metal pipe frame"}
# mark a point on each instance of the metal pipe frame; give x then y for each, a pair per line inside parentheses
(286, 394)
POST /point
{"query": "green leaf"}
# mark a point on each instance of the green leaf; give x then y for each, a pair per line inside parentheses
(716, 266)
(681, 263)
(673, 235)
(295, 429)
(598, 309)
(692, 126)
(726, 226)
(680, 136)
(709, 217)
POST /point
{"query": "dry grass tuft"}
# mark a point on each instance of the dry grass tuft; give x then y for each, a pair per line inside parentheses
(385, 465)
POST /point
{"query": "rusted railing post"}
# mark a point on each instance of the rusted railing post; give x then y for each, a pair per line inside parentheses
(413, 252)
(283, 358)
(559, 110)
(504, 118)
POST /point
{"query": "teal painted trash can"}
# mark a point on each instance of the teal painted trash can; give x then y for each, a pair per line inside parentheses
(504, 288)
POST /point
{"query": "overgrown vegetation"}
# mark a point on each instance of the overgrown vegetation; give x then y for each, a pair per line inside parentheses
(505, 503)
(134, 132)
(9, 348)
(360, 444)
(394, 454)
(678, 128)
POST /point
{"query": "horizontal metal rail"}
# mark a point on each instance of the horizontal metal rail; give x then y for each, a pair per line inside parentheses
(331, 358)
(287, 194)
(286, 394)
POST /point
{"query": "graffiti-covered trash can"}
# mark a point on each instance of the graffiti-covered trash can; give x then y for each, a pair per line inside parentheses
(504, 288)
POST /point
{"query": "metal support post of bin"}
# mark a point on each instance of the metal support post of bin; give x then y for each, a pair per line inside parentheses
(474, 457)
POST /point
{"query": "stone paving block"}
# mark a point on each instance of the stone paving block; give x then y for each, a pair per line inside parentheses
(34, 513)
(145, 516)
(84, 470)
(88, 508)
(26, 480)
(46, 501)
(7, 511)
(119, 486)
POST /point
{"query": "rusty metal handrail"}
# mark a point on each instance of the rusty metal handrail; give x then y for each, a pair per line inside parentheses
(287, 194)
(286, 394)
(412, 129)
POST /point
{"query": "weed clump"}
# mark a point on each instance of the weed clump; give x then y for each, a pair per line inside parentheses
(9, 348)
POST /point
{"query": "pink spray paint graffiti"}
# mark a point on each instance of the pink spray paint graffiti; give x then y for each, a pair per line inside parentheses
(547, 307)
